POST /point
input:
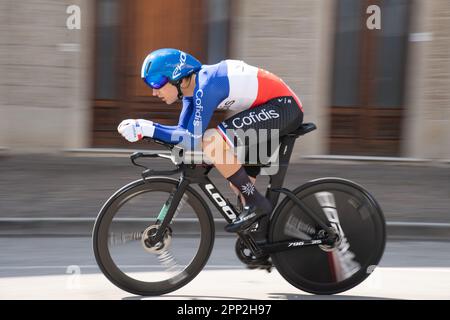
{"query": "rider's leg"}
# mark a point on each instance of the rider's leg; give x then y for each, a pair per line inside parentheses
(275, 119)
(222, 155)
(238, 193)
(252, 172)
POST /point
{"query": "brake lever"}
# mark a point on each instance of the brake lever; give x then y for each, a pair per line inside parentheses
(135, 156)
(150, 172)
(138, 155)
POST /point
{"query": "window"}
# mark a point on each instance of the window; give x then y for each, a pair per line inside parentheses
(391, 51)
(347, 54)
(106, 51)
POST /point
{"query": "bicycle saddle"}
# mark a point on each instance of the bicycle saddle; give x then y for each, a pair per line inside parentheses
(303, 129)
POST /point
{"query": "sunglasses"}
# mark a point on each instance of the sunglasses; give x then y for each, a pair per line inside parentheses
(157, 81)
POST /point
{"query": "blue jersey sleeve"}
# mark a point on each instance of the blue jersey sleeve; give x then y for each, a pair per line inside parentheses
(174, 134)
(185, 112)
(212, 88)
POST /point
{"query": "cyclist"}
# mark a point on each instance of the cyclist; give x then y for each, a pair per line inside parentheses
(255, 98)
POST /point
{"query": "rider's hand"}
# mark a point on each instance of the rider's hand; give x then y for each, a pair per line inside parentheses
(135, 129)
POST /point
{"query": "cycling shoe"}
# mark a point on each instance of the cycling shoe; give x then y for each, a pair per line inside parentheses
(249, 216)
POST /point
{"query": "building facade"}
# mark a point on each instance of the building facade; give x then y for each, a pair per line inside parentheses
(376, 92)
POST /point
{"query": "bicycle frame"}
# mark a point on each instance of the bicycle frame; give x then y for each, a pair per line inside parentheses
(338, 265)
(198, 174)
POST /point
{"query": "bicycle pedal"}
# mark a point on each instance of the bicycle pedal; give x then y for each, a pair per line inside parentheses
(262, 266)
(261, 262)
(268, 268)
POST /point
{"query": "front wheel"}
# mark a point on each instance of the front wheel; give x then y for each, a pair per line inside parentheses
(131, 216)
(356, 217)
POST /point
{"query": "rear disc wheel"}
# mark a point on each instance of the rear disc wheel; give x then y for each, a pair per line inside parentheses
(356, 217)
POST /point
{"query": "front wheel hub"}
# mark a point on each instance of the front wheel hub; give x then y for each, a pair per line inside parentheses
(149, 233)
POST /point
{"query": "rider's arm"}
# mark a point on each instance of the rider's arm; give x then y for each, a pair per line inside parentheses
(173, 134)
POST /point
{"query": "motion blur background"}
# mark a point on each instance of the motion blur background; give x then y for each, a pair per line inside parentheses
(371, 92)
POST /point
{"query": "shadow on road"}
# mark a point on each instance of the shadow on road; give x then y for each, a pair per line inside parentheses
(289, 296)
(276, 296)
(181, 297)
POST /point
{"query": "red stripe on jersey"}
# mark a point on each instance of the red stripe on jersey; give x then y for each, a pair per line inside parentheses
(270, 86)
(224, 136)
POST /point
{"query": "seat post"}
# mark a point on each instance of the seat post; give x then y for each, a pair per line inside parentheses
(284, 156)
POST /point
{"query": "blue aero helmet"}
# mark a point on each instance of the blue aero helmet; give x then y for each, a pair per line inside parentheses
(168, 65)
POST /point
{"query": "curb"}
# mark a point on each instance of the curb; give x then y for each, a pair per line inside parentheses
(82, 227)
(336, 159)
(418, 231)
(105, 152)
(367, 158)
(122, 152)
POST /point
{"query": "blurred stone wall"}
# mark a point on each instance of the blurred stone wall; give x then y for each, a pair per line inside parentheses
(44, 75)
(427, 124)
(46, 70)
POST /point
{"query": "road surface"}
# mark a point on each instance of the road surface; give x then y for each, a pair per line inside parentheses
(65, 268)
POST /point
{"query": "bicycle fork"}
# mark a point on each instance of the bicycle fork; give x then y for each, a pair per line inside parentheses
(168, 211)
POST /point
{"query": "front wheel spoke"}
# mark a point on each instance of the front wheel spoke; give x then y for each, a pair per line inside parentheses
(172, 267)
(120, 238)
